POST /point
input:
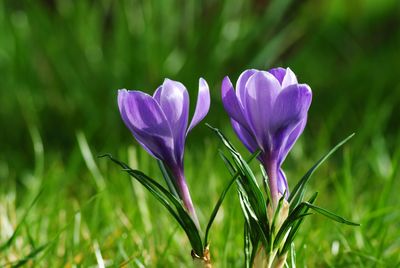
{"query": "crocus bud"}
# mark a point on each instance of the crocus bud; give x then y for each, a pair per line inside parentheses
(160, 124)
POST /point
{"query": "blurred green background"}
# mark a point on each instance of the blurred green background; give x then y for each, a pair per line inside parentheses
(61, 63)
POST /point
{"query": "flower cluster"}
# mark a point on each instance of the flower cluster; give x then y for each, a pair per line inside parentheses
(268, 112)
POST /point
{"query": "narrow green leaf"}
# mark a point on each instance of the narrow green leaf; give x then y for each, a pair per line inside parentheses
(224, 192)
(330, 215)
(226, 142)
(277, 212)
(247, 246)
(294, 218)
(298, 190)
(187, 222)
(293, 255)
(216, 208)
(265, 183)
(166, 198)
(295, 227)
(246, 205)
(228, 164)
(256, 199)
(256, 229)
(253, 200)
(168, 178)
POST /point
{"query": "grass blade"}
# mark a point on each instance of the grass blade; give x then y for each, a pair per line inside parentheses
(29, 257)
(11, 239)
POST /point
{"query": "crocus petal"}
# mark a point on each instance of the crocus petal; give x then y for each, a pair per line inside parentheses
(157, 94)
(261, 91)
(290, 108)
(279, 73)
(244, 136)
(291, 140)
(289, 79)
(282, 183)
(202, 105)
(241, 84)
(122, 93)
(269, 113)
(230, 102)
(174, 101)
(145, 119)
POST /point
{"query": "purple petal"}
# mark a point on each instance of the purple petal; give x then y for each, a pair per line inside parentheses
(244, 136)
(174, 101)
(289, 79)
(241, 85)
(279, 73)
(202, 105)
(145, 119)
(157, 94)
(122, 94)
(290, 108)
(282, 183)
(291, 140)
(230, 102)
(261, 91)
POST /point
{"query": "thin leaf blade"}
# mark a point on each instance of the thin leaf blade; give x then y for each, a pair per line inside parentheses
(298, 191)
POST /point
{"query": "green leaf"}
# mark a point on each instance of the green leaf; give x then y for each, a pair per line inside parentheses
(247, 246)
(226, 142)
(185, 219)
(265, 183)
(216, 208)
(168, 178)
(293, 255)
(330, 215)
(277, 212)
(228, 164)
(250, 217)
(254, 194)
(298, 191)
(252, 199)
(293, 222)
(235, 176)
(257, 233)
(167, 199)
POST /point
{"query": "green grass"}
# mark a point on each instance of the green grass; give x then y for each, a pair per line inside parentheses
(60, 64)
(98, 214)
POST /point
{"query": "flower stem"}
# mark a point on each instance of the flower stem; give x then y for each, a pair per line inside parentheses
(272, 172)
(185, 196)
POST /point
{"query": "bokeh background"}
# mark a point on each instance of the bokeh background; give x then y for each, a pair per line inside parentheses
(61, 62)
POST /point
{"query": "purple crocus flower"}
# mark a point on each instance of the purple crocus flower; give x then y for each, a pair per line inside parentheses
(268, 112)
(160, 124)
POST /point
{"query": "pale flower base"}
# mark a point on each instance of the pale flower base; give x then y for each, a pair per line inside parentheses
(202, 262)
(271, 260)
